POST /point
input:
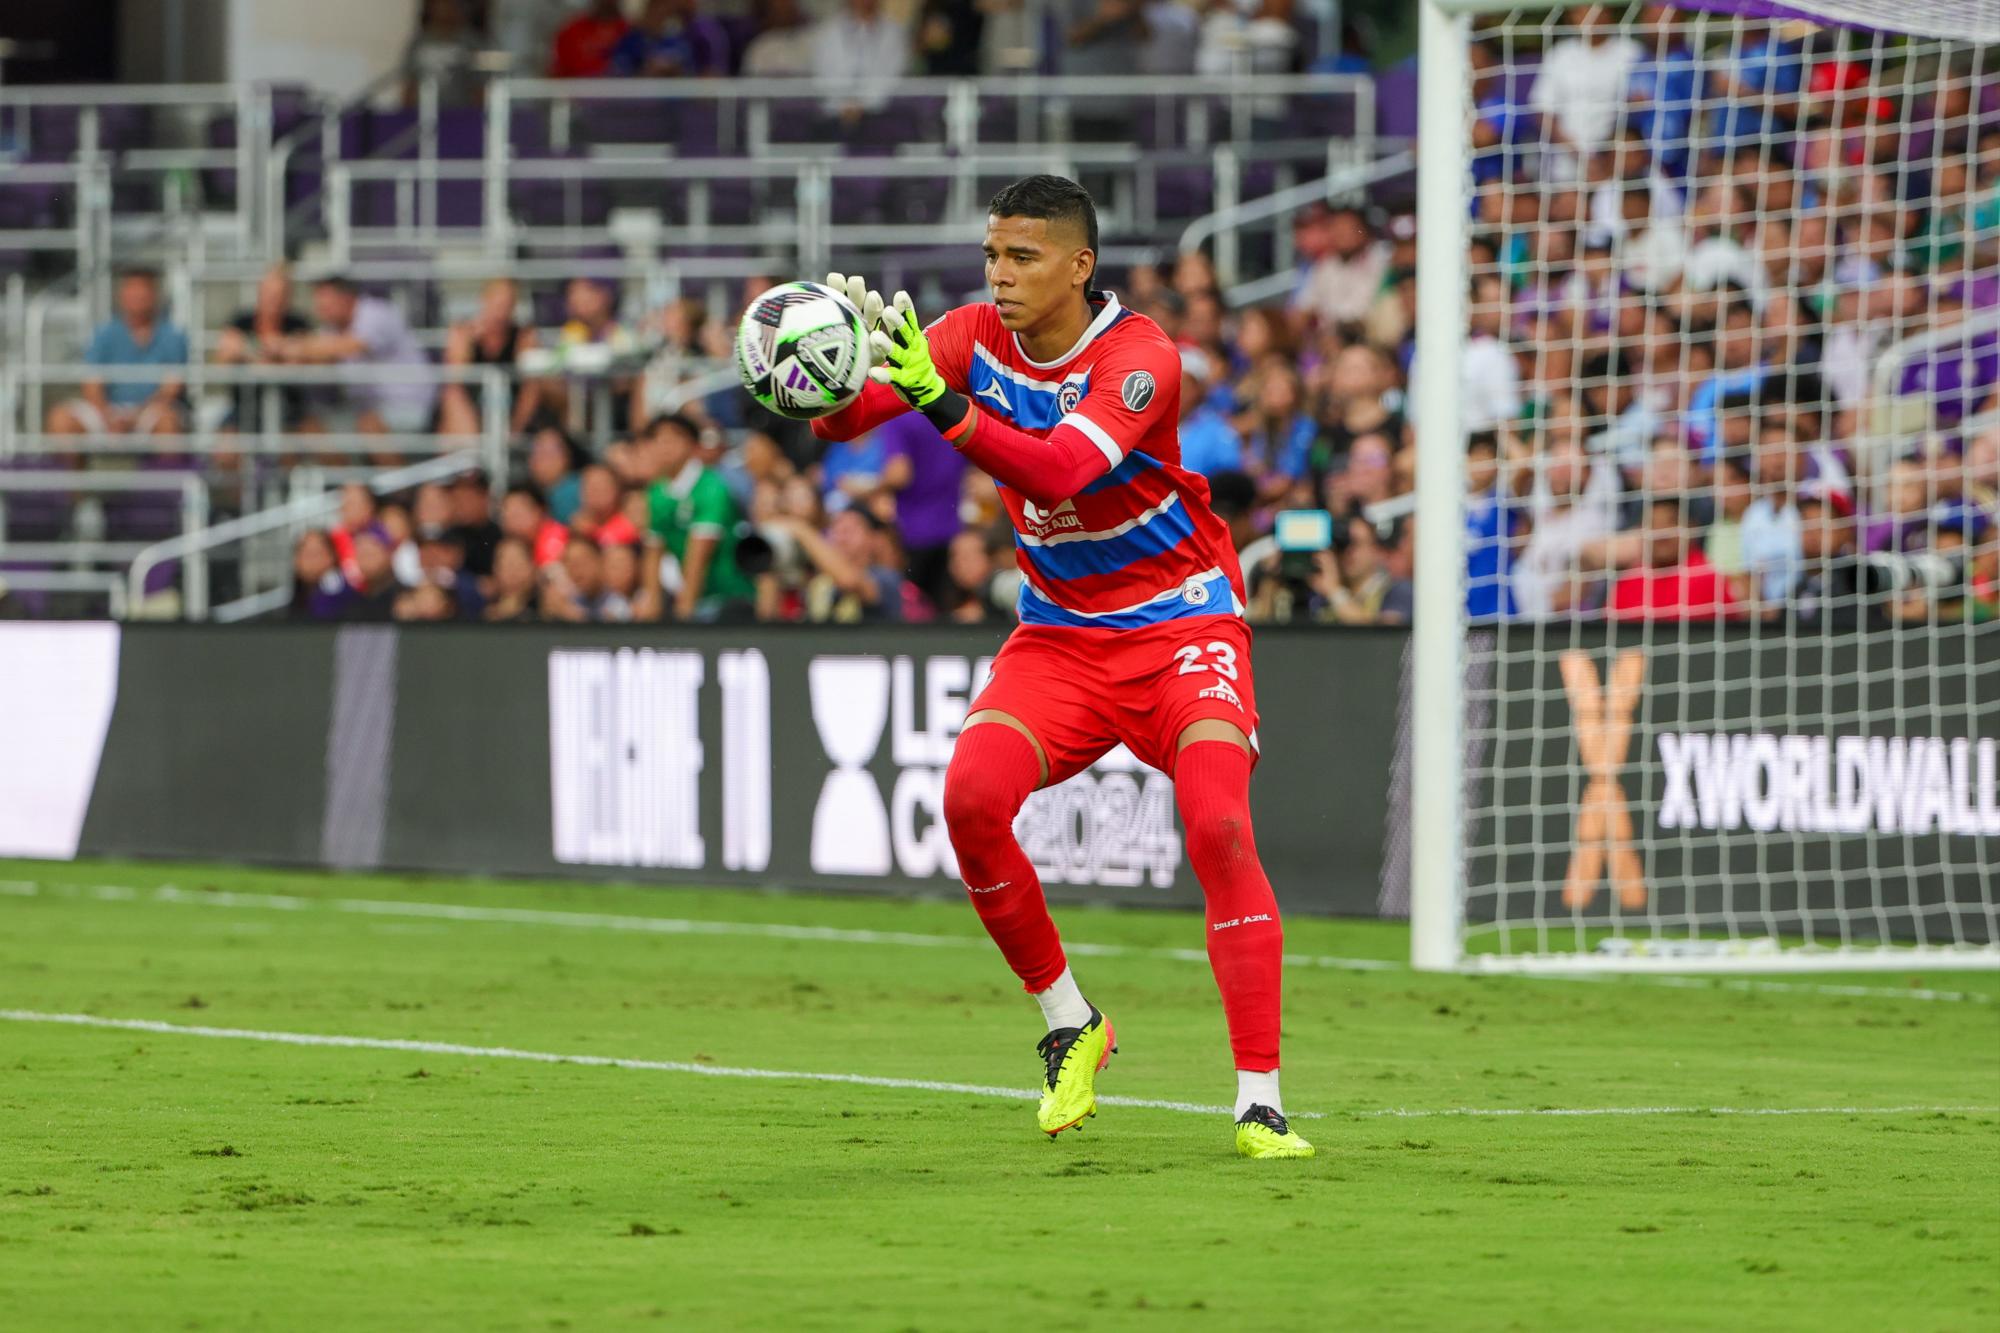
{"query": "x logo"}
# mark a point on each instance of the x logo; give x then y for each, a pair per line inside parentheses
(1603, 721)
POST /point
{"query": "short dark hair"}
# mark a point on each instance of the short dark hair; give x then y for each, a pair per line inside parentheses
(341, 283)
(1483, 439)
(533, 493)
(680, 419)
(145, 272)
(1053, 198)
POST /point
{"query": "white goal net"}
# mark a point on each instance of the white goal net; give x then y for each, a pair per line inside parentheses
(1726, 557)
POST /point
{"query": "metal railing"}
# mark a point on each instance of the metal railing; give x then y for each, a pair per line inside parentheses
(111, 586)
(1226, 224)
(1894, 420)
(248, 103)
(22, 385)
(310, 509)
(194, 513)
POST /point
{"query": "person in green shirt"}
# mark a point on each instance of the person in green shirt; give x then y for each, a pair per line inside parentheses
(697, 518)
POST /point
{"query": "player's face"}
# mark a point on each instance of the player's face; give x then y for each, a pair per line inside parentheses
(1032, 273)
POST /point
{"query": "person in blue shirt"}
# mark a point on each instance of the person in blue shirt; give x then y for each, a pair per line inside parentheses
(1277, 444)
(1209, 444)
(1493, 522)
(672, 41)
(137, 337)
(1737, 372)
(1503, 124)
(1665, 88)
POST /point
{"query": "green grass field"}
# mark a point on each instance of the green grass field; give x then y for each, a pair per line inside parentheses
(184, 1180)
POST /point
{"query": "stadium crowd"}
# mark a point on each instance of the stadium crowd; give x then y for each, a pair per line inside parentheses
(1686, 262)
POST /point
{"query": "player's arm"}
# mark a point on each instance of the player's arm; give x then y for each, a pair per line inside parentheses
(1086, 444)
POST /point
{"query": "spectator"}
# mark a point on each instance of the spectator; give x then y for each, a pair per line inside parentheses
(1343, 284)
(697, 519)
(524, 516)
(1626, 420)
(137, 337)
(1101, 36)
(584, 45)
(375, 589)
(599, 512)
(575, 589)
(368, 333)
(358, 513)
(1572, 503)
(1502, 128)
(670, 41)
(555, 462)
(969, 593)
(471, 499)
(1739, 371)
(1208, 443)
(441, 560)
(1489, 378)
(861, 53)
(923, 474)
(445, 48)
(632, 572)
(949, 36)
(515, 585)
(1366, 592)
(1665, 89)
(591, 309)
(850, 471)
(492, 337)
(257, 337)
(1826, 594)
(1724, 545)
(1493, 524)
(424, 602)
(1367, 476)
(1580, 89)
(783, 46)
(1277, 444)
(1676, 582)
(854, 575)
(318, 590)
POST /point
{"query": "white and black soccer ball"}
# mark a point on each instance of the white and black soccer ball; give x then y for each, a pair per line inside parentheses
(802, 350)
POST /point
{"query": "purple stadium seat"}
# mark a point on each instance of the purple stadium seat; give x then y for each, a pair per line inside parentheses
(1396, 99)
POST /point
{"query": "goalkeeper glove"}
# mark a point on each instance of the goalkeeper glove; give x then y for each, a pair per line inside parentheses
(855, 289)
(902, 360)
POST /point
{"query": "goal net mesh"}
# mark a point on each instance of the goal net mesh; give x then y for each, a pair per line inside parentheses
(1732, 443)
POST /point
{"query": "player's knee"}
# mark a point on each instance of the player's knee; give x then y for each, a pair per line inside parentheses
(1218, 838)
(974, 804)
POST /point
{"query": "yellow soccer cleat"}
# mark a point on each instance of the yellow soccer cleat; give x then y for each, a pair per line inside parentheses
(1071, 1058)
(1262, 1132)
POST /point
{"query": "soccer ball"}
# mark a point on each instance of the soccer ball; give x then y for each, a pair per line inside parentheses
(802, 350)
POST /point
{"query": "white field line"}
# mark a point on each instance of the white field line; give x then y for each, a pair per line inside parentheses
(653, 925)
(913, 1084)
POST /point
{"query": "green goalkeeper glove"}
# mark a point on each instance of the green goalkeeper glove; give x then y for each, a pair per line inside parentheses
(901, 357)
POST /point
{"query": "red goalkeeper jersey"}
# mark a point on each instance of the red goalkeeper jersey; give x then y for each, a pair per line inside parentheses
(1085, 449)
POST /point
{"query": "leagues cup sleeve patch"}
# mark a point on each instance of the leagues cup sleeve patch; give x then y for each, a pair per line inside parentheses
(1137, 390)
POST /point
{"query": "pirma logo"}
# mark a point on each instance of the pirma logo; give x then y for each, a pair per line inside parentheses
(1137, 390)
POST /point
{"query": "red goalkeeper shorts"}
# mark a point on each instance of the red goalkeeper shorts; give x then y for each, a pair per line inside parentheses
(1082, 691)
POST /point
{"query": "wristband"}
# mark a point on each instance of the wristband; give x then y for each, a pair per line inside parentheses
(950, 412)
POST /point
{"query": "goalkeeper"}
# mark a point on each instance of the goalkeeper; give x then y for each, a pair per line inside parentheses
(1131, 611)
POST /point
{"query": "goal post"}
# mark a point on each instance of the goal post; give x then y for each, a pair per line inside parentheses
(1705, 674)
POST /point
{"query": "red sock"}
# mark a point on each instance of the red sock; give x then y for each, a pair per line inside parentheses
(1246, 943)
(993, 768)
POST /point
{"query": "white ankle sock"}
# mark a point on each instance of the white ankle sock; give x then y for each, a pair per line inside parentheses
(1257, 1088)
(1063, 1005)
